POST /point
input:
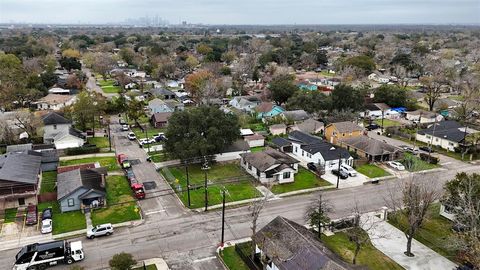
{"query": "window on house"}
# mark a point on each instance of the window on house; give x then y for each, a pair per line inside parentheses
(258, 173)
(303, 153)
(296, 149)
(54, 126)
(343, 134)
(21, 201)
(450, 143)
(71, 202)
(249, 166)
(286, 175)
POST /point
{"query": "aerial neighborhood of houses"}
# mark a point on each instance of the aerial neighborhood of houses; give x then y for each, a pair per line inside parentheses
(121, 129)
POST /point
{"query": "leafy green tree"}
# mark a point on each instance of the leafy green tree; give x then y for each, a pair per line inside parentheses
(87, 107)
(127, 54)
(391, 95)
(70, 63)
(200, 131)
(345, 97)
(309, 101)
(122, 261)
(317, 214)
(49, 79)
(363, 62)
(321, 57)
(12, 79)
(282, 88)
(135, 109)
(462, 196)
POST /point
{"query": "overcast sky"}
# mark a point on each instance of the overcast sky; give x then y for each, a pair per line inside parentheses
(245, 11)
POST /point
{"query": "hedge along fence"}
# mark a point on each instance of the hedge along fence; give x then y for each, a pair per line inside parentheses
(82, 150)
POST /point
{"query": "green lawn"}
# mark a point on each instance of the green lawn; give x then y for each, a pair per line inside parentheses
(108, 87)
(304, 179)
(387, 123)
(372, 171)
(415, 164)
(369, 256)
(148, 267)
(64, 222)
(257, 127)
(10, 215)
(232, 260)
(150, 132)
(49, 180)
(159, 157)
(325, 73)
(109, 162)
(257, 149)
(121, 205)
(219, 176)
(435, 232)
(100, 142)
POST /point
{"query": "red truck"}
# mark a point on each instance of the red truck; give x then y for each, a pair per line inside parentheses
(122, 159)
(136, 186)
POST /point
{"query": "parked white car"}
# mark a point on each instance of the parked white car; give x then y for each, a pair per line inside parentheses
(396, 165)
(348, 169)
(100, 230)
(143, 141)
(46, 226)
(131, 136)
(124, 127)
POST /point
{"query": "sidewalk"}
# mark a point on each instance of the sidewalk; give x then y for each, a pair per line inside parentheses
(392, 242)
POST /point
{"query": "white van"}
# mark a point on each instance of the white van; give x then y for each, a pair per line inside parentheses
(349, 170)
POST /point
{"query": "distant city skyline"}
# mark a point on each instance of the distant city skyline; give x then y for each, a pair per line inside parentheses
(233, 12)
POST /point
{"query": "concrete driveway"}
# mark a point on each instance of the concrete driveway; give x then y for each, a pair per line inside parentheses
(345, 183)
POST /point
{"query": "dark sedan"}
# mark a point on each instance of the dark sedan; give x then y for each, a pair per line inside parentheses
(32, 215)
(341, 173)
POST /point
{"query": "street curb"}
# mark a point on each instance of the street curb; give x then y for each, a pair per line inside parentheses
(303, 191)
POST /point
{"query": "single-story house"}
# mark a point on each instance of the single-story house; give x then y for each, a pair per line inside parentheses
(278, 129)
(19, 178)
(55, 102)
(270, 166)
(341, 131)
(291, 246)
(310, 126)
(255, 140)
(160, 106)
(376, 110)
(371, 149)
(58, 130)
(423, 117)
(160, 119)
(268, 109)
(233, 151)
(309, 148)
(296, 115)
(245, 103)
(81, 188)
(445, 134)
(161, 93)
(282, 144)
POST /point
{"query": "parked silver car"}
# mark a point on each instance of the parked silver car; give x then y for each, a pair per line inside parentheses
(100, 230)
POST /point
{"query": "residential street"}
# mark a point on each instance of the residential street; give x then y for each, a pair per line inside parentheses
(92, 84)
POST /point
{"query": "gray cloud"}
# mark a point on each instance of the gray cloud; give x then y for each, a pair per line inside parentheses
(245, 11)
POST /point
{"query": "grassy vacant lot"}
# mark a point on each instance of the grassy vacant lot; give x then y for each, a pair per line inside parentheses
(372, 171)
(435, 232)
(257, 149)
(108, 162)
(107, 86)
(151, 131)
(120, 203)
(415, 164)
(64, 222)
(232, 260)
(100, 142)
(159, 156)
(304, 179)
(49, 180)
(369, 256)
(387, 123)
(10, 215)
(239, 184)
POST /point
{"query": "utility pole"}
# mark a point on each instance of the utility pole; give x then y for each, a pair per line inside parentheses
(383, 117)
(188, 184)
(418, 125)
(146, 136)
(223, 219)
(339, 163)
(205, 168)
(109, 136)
(93, 124)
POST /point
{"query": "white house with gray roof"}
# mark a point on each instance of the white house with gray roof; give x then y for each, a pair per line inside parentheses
(58, 130)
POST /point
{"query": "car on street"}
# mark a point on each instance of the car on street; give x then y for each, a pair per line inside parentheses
(348, 169)
(121, 121)
(396, 165)
(311, 166)
(46, 226)
(124, 127)
(47, 213)
(409, 149)
(100, 230)
(32, 215)
(341, 173)
(143, 141)
(427, 149)
(372, 127)
(131, 136)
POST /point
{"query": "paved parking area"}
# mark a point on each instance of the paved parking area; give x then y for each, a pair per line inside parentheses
(345, 183)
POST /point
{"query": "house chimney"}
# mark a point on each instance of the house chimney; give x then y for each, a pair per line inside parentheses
(102, 184)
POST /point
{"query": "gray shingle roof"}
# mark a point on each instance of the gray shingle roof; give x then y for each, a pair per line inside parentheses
(293, 247)
(90, 179)
(20, 167)
(303, 137)
(449, 130)
(347, 126)
(296, 115)
(280, 142)
(327, 150)
(371, 146)
(53, 118)
(310, 125)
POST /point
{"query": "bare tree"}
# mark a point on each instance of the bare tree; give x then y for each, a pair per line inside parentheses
(256, 208)
(28, 122)
(317, 213)
(415, 198)
(433, 82)
(102, 64)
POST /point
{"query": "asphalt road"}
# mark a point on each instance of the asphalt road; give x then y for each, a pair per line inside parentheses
(187, 240)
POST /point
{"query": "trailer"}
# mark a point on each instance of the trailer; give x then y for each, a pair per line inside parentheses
(41, 256)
